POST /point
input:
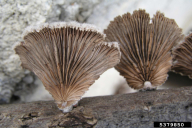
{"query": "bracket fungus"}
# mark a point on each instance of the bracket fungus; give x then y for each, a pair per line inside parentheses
(67, 58)
(182, 57)
(145, 47)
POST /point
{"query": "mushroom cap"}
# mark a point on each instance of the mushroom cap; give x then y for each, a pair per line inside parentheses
(145, 47)
(67, 58)
(182, 57)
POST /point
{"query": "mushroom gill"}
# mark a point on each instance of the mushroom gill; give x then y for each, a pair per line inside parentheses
(182, 57)
(145, 47)
(67, 58)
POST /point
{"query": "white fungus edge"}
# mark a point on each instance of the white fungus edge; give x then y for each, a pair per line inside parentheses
(72, 24)
(115, 45)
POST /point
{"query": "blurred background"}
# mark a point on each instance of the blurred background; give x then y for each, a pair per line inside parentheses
(19, 85)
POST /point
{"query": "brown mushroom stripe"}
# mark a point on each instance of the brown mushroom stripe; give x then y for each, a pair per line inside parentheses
(67, 58)
(182, 57)
(145, 47)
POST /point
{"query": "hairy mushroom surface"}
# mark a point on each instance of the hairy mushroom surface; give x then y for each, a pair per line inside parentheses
(145, 47)
(67, 58)
(182, 57)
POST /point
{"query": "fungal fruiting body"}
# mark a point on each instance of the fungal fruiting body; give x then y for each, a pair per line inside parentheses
(182, 57)
(145, 47)
(67, 58)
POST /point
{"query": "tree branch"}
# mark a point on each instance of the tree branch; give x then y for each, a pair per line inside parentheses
(139, 110)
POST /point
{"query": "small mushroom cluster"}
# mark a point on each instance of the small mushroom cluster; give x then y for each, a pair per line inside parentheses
(69, 57)
(145, 47)
(182, 57)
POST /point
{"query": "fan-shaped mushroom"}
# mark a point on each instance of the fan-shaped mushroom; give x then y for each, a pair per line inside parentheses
(67, 58)
(182, 57)
(145, 47)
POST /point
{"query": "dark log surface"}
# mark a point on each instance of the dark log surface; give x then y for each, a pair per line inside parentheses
(135, 110)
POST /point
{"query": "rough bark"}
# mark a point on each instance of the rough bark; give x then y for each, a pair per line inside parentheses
(136, 110)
